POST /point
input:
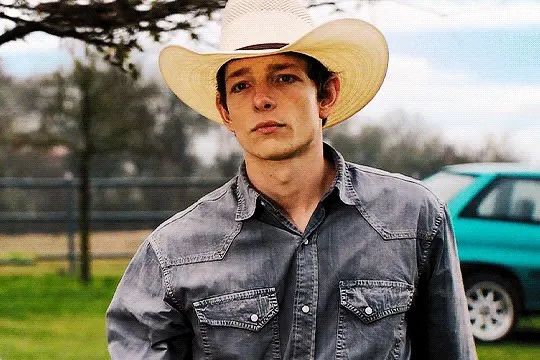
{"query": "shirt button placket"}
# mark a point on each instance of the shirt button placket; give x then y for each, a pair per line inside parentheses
(306, 300)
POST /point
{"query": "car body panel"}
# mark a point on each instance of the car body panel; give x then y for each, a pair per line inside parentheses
(520, 255)
(511, 245)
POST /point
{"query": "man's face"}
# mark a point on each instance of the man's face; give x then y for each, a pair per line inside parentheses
(272, 106)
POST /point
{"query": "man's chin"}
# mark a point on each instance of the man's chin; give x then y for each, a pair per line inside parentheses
(279, 154)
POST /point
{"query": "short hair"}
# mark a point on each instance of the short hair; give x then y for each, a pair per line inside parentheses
(315, 70)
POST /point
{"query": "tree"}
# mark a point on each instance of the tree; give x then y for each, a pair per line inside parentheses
(92, 112)
(112, 27)
(6, 116)
(404, 144)
(175, 135)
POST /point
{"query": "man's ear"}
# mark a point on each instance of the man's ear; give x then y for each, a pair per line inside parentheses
(332, 89)
(224, 113)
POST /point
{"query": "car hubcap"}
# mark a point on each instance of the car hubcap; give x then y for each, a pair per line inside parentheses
(491, 310)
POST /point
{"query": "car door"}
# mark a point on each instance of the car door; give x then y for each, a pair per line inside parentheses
(501, 226)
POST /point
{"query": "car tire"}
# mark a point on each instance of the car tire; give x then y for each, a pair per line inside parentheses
(494, 305)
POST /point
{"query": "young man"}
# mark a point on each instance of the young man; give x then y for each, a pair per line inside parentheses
(301, 255)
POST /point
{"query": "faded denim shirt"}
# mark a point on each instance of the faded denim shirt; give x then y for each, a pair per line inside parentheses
(375, 275)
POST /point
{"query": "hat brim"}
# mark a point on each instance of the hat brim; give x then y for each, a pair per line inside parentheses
(352, 48)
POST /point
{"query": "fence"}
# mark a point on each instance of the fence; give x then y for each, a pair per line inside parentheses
(50, 204)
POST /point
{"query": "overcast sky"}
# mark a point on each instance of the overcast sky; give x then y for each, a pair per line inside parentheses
(469, 68)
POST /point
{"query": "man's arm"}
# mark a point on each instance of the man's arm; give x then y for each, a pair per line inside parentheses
(440, 317)
(140, 323)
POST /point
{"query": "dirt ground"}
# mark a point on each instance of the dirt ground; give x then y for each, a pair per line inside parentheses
(106, 243)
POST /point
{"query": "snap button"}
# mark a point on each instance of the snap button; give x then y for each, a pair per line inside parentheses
(306, 242)
(368, 310)
(254, 317)
(305, 309)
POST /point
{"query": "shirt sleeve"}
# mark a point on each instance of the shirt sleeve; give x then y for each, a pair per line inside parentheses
(440, 321)
(141, 324)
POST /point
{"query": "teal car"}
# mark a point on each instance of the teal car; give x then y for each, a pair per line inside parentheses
(495, 210)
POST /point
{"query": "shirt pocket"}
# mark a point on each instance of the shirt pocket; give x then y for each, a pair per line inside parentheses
(240, 325)
(371, 318)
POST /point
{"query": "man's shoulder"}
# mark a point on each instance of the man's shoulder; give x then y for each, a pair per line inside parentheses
(374, 179)
(396, 204)
(201, 232)
(210, 204)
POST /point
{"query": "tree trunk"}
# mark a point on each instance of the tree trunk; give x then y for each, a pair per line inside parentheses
(84, 216)
(86, 152)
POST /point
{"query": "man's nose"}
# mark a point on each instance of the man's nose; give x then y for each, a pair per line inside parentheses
(263, 101)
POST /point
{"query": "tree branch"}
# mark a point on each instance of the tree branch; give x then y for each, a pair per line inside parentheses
(113, 27)
(18, 32)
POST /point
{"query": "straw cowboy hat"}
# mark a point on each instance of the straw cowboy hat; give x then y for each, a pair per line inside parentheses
(352, 48)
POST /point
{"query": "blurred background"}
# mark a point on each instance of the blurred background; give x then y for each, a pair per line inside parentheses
(95, 151)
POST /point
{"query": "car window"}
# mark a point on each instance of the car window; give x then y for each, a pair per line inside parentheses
(446, 185)
(509, 199)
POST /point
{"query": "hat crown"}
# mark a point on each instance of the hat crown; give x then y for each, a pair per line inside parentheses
(253, 22)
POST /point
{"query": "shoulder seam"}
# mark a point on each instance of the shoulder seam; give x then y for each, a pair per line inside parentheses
(396, 176)
(193, 206)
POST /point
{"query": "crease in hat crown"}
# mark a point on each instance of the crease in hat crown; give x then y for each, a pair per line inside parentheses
(253, 22)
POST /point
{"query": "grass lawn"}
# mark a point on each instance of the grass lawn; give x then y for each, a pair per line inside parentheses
(46, 315)
(51, 316)
(524, 344)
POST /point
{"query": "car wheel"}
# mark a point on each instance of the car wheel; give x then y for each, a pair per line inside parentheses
(493, 306)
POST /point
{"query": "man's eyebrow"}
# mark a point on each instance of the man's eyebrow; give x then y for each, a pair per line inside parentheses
(271, 68)
(237, 73)
(279, 67)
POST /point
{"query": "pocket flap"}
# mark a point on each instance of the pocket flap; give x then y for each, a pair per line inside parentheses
(250, 310)
(371, 300)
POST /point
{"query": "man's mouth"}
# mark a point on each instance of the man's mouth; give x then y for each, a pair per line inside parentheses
(267, 127)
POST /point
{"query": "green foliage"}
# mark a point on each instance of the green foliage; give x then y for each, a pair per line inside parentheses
(405, 145)
(228, 166)
(116, 110)
(94, 109)
(174, 137)
(6, 115)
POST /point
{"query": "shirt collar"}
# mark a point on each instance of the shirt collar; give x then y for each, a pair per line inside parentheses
(247, 195)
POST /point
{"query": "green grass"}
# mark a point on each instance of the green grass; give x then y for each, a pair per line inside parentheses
(508, 350)
(523, 345)
(52, 316)
(53, 337)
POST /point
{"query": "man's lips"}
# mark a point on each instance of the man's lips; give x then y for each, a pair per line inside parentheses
(267, 126)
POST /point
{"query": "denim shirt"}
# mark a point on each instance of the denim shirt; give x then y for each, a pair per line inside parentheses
(375, 275)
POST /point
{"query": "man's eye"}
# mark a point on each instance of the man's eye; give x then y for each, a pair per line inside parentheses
(239, 87)
(286, 78)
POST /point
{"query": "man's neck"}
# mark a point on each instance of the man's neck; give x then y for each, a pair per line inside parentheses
(296, 185)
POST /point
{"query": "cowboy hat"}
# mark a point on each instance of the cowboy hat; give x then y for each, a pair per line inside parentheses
(352, 48)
